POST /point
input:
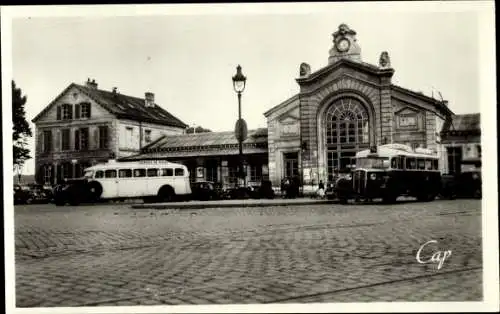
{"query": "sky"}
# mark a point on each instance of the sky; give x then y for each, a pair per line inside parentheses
(188, 60)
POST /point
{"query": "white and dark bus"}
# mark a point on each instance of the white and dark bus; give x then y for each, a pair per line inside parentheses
(390, 171)
(149, 179)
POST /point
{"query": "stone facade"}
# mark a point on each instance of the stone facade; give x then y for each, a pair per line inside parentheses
(379, 112)
(55, 160)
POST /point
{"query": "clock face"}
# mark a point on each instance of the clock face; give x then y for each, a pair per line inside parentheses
(343, 45)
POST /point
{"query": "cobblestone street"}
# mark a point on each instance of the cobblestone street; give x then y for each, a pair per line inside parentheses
(113, 255)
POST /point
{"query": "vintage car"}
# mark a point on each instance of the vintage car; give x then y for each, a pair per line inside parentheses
(204, 191)
(22, 194)
(32, 193)
(74, 192)
(467, 184)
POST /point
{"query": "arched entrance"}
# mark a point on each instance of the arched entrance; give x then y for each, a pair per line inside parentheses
(347, 131)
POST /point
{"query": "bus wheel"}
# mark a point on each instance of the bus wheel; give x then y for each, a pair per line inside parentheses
(166, 194)
(95, 191)
(426, 197)
(389, 199)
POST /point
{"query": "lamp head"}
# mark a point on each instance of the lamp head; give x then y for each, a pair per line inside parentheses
(239, 80)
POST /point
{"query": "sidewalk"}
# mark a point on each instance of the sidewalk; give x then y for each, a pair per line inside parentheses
(236, 203)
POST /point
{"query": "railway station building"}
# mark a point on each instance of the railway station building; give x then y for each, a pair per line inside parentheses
(341, 108)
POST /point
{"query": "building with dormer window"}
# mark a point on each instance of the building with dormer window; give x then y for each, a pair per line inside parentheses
(85, 125)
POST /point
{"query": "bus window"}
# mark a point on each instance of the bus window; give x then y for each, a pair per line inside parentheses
(428, 164)
(411, 163)
(179, 172)
(139, 173)
(421, 164)
(402, 162)
(167, 172)
(88, 174)
(152, 172)
(435, 164)
(99, 174)
(125, 173)
(110, 173)
(394, 162)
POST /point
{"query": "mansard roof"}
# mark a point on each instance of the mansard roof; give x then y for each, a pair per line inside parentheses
(123, 106)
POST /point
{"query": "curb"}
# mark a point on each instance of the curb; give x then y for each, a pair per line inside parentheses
(227, 205)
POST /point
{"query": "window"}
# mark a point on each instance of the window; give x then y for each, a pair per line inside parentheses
(147, 136)
(125, 173)
(110, 173)
(411, 163)
(420, 164)
(139, 173)
(85, 110)
(478, 147)
(232, 174)
(428, 164)
(435, 164)
(179, 172)
(65, 139)
(103, 137)
(47, 174)
(129, 137)
(152, 172)
(396, 163)
(167, 172)
(66, 169)
(84, 138)
(255, 173)
(77, 139)
(47, 141)
(407, 121)
(99, 174)
(67, 112)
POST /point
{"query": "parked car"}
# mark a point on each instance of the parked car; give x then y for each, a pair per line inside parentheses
(40, 194)
(22, 194)
(467, 184)
(31, 193)
(204, 191)
(73, 191)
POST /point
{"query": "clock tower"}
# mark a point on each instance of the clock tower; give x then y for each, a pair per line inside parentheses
(344, 45)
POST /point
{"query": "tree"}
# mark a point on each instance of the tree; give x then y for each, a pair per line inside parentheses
(198, 129)
(21, 128)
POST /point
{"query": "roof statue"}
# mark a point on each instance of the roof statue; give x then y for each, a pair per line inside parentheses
(384, 62)
(305, 69)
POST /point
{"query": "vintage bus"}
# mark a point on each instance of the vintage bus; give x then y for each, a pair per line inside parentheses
(389, 171)
(149, 180)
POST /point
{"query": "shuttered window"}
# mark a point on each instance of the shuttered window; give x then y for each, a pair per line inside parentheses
(65, 139)
(47, 141)
(103, 137)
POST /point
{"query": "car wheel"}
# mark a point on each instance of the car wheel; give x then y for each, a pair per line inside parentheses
(95, 191)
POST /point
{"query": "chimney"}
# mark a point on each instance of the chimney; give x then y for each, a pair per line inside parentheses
(445, 102)
(115, 90)
(91, 84)
(149, 99)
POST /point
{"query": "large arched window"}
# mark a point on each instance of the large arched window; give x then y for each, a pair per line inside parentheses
(346, 132)
(346, 123)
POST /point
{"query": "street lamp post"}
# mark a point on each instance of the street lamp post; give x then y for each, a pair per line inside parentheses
(239, 82)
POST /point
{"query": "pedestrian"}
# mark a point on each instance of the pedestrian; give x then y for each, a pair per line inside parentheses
(321, 189)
